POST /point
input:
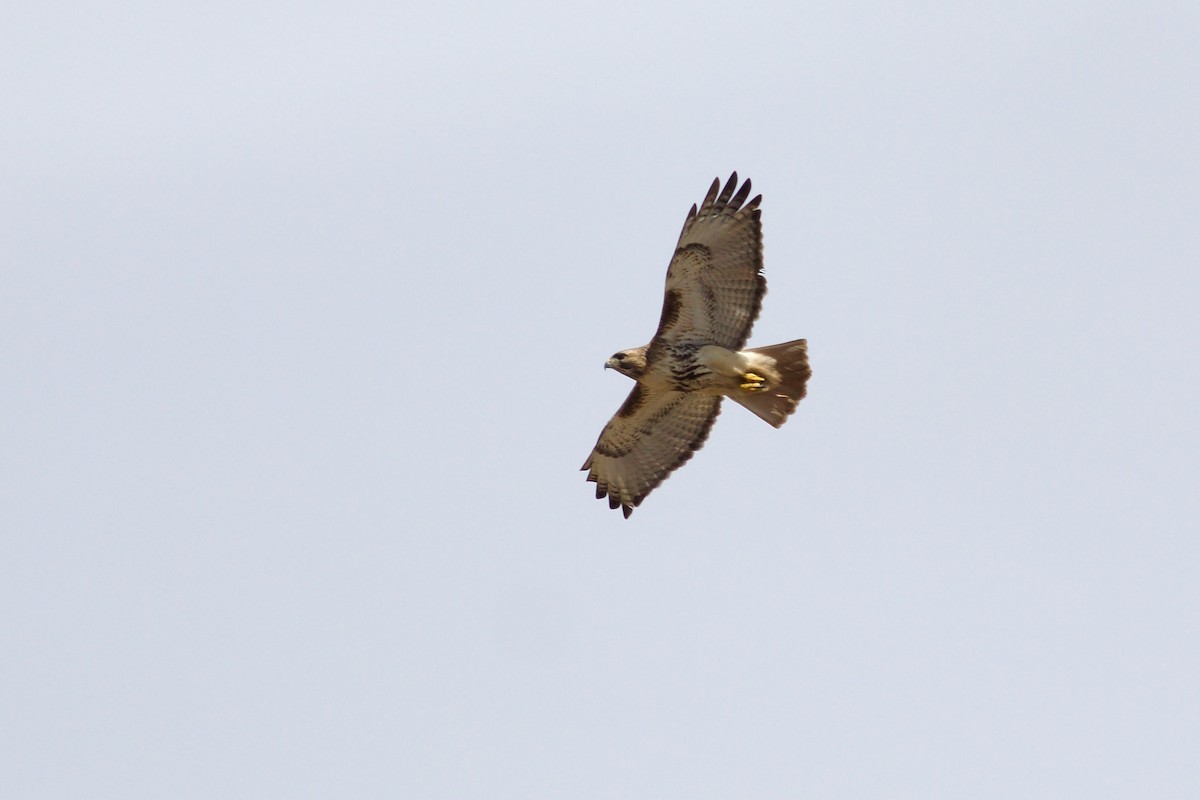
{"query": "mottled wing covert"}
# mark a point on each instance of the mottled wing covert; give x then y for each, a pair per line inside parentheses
(652, 435)
(715, 284)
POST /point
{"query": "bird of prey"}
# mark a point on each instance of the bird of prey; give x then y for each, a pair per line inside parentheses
(715, 288)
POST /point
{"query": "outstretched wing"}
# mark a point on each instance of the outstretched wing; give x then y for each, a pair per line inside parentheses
(715, 284)
(652, 435)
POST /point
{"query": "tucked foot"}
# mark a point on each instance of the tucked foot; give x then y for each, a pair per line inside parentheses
(753, 383)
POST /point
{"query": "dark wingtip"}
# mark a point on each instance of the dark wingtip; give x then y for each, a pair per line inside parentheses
(727, 192)
(741, 195)
(626, 510)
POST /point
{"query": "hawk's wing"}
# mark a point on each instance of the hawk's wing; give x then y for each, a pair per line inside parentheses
(715, 284)
(651, 436)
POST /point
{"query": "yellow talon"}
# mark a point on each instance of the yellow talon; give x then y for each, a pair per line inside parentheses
(753, 382)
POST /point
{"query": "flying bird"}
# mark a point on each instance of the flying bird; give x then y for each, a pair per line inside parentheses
(715, 288)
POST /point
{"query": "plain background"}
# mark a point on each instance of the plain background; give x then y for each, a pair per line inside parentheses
(303, 313)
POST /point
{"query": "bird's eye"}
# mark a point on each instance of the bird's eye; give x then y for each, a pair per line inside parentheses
(619, 356)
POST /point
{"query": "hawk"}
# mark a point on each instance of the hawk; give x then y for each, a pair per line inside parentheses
(715, 288)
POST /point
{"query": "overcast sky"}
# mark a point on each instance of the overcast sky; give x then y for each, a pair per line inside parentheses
(303, 314)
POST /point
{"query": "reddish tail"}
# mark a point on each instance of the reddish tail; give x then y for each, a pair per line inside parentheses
(776, 403)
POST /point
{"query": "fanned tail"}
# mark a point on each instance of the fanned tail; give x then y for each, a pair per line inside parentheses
(779, 399)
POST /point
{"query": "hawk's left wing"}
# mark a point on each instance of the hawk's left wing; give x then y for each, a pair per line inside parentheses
(652, 435)
(715, 284)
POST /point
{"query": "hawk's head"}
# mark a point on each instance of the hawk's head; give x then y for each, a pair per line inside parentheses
(628, 362)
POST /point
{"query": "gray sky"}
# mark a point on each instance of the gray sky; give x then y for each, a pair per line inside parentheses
(303, 310)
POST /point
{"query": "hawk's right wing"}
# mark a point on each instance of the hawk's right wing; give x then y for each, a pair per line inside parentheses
(652, 435)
